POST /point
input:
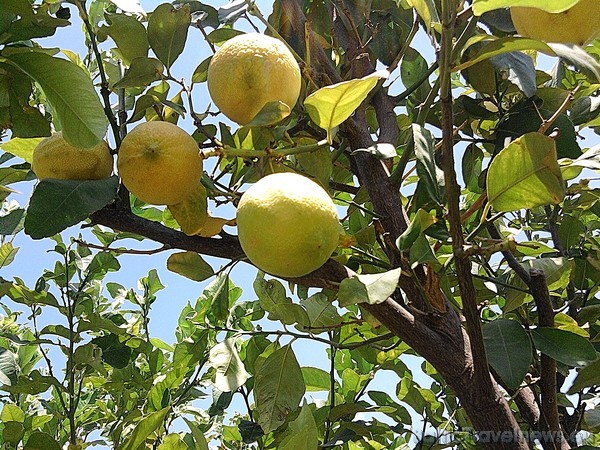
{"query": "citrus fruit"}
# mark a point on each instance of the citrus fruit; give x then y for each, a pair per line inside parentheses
(159, 163)
(576, 25)
(56, 158)
(287, 225)
(249, 71)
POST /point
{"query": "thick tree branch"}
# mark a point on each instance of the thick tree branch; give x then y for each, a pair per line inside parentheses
(548, 386)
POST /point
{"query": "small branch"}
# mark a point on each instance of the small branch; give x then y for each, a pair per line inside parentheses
(548, 385)
(122, 250)
(271, 153)
(509, 257)
(566, 104)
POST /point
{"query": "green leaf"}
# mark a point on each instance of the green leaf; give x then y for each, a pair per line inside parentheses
(172, 442)
(482, 6)
(431, 177)
(316, 379)
(331, 105)
(20, 293)
(23, 148)
(231, 373)
(564, 346)
(508, 350)
(270, 114)
(416, 228)
(12, 413)
(586, 377)
(191, 214)
(167, 31)
(143, 71)
(128, 33)
(71, 93)
(13, 432)
(145, 428)
(12, 223)
(321, 313)
(41, 441)
(278, 388)
(302, 432)
(368, 288)
(58, 204)
(271, 294)
(190, 265)
(7, 254)
(198, 435)
(525, 175)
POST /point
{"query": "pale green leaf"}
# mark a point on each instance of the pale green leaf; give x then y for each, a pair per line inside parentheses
(128, 33)
(71, 93)
(23, 148)
(554, 6)
(7, 254)
(12, 413)
(224, 358)
(172, 442)
(331, 105)
(191, 265)
(368, 288)
(525, 175)
(321, 313)
(302, 432)
(316, 379)
(278, 388)
(167, 31)
(272, 298)
(426, 10)
(198, 435)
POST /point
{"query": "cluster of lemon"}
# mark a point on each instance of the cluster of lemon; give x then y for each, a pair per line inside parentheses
(288, 224)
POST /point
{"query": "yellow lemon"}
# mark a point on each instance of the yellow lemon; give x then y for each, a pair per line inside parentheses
(249, 71)
(56, 158)
(287, 225)
(159, 163)
(576, 25)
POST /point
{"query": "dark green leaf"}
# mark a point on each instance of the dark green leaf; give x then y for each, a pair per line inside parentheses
(12, 223)
(272, 297)
(564, 346)
(586, 377)
(321, 313)
(13, 432)
(416, 228)
(58, 204)
(250, 431)
(431, 177)
(508, 350)
(41, 441)
(302, 433)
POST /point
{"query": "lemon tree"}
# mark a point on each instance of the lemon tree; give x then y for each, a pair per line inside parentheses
(287, 225)
(349, 225)
(249, 71)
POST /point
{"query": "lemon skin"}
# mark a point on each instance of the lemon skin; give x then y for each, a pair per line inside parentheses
(159, 163)
(288, 225)
(249, 71)
(56, 158)
(576, 25)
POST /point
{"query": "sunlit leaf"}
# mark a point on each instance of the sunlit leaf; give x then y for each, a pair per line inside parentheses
(70, 91)
(128, 33)
(23, 148)
(587, 376)
(368, 288)
(142, 72)
(190, 265)
(331, 105)
(191, 214)
(525, 175)
(302, 433)
(145, 428)
(167, 31)
(418, 225)
(554, 6)
(214, 226)
(231, 373)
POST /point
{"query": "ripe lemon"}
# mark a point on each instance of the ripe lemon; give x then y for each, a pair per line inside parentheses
(159, 163)
(576, 25)
(249, 71)
(56, 158)
(287, 225)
